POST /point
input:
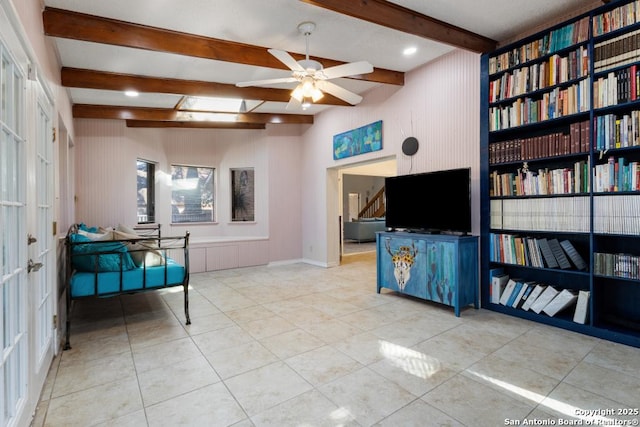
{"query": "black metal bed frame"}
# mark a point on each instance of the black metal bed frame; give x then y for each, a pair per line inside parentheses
(148, 233)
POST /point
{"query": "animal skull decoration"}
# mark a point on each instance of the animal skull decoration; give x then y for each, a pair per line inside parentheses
(402, 259)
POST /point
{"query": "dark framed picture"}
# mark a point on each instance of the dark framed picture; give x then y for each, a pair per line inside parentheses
(242, 194)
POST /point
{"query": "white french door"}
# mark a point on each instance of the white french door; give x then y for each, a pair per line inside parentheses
(41, 263)
(13, 226)
(27, 254)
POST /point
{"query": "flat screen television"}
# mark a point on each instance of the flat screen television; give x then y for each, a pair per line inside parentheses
(433, 202)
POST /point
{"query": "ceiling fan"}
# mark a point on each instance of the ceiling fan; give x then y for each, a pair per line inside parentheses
(312, 78)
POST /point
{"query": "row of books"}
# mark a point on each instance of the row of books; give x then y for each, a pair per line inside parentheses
(616, 265)
(552, 214)
(551, 42)
(537, 297)
(526, 182)
(535, 252)
(542, 146)
(617, 87)
(557, 69)
(616, 52)
(612, 214)
(620, 175)
(559, 102)
(616, 18)
(613, 131)
(617, 214)
(613, 176)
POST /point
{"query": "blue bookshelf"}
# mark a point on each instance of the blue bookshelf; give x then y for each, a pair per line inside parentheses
(585, 119)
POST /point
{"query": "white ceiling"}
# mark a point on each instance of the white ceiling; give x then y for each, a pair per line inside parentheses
(273, 24)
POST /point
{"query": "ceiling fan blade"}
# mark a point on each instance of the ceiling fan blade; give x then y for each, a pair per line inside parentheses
(338, 92)
(350, 69)
(293, 104)
(267, 82)
(286, 59)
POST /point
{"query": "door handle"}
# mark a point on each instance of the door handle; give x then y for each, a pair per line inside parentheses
(33, 266)
(31, 239)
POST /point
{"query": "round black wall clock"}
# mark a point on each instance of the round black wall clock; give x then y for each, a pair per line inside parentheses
(410, 146)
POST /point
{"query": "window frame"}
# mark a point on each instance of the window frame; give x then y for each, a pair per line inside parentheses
(191, 213)
(150, 202)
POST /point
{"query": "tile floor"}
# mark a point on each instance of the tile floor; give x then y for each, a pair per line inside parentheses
(299, 345)
(355, 247)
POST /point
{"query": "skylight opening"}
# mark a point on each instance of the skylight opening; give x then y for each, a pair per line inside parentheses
(219, 105)
(199, 116)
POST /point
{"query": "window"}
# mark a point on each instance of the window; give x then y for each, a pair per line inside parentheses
(192, 194)
(146, 191)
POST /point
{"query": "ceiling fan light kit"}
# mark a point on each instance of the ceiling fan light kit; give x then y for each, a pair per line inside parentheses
(307, 92)
(312, 78)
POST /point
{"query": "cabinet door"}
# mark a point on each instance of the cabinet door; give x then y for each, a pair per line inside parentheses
(442, 271)
(402, 264)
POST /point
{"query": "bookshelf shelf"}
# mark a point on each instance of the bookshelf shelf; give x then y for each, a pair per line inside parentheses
(560, 164)
(536, 93)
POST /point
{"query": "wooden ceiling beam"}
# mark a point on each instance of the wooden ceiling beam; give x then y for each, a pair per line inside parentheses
(86, 111)
(79, 26)
(393, 16)
(90, 79)
(193, 125)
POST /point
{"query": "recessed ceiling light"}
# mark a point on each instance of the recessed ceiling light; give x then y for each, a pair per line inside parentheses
(132, 93)
(410, 51)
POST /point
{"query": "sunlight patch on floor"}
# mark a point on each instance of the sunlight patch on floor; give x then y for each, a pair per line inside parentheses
(572, 413)
(174, 290)
(422, 366)
(528, 394)
(342, 416)
(410, 361)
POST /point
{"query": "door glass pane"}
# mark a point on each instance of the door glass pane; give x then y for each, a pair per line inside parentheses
(4, 91)
(17, 101)
(44, 219)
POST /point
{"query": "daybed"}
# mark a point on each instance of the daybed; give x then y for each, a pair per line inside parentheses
(363, 230)
(111, 262)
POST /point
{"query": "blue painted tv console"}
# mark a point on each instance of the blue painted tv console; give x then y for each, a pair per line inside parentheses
(436, 267)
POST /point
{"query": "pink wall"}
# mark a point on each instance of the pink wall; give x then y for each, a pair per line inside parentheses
(297, 188)
(439, 105)
(106, 152)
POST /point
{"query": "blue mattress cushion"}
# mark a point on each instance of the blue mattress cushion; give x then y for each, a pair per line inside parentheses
(109, 255)
(113, 283)
(85, 227)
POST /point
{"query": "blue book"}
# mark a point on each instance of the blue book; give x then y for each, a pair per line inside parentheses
(508, 290)
(514, 294)
(518, 300)
(622, 186)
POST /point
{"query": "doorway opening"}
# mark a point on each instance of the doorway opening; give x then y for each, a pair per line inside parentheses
(361, 204)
